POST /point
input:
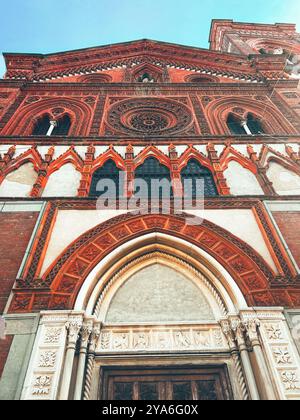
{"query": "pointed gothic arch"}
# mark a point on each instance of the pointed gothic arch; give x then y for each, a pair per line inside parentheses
(194, 172)
(68, 273)
(108, 171)
(153, 152)
(149, 171)
(70, 156)
(154, 74)
(64, 181)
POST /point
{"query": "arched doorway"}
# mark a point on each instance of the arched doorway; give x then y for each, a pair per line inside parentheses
(163, 313)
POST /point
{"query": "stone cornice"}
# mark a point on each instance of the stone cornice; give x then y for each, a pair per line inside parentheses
(124, 140)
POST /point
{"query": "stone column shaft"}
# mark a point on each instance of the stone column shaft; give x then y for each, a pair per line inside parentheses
(53, 124)
(252, 328)
(85, 335)
(91, 361)
(73, 330)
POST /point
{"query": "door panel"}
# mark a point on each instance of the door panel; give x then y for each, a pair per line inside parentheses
(186, 384)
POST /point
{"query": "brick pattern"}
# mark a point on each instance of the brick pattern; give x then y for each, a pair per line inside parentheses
(4, 351)
(289, 224)
(15, 232)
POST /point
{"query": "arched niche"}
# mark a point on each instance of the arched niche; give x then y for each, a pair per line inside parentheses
(19, 182)
(241, 181)
(285, 182)
(63, 183)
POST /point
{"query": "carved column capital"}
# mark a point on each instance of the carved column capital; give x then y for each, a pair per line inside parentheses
(85, 334)
(229, 334)
(94, 337)
(239, 332)
(251, 327)
(73, 328)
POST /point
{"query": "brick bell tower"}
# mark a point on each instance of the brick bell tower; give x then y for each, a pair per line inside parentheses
(115, 304)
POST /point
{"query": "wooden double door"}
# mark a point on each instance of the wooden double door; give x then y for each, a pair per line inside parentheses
(171, 384)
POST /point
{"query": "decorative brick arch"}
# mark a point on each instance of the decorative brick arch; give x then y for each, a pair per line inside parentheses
(68, 273)
(259, 43)
(230, 154)
(149, 68)
(70, 156)
(152, 151)
(30, 156)
(25, 119)
(282, 162)
(192, 153)
(201, 78)
(268, 155)
(272, 119)
(96, 78)
(110, 154)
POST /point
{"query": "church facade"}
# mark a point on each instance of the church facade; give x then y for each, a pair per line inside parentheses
(139, 302)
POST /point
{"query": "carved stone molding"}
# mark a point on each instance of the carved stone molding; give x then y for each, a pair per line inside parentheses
(283, 357)
(157, 339)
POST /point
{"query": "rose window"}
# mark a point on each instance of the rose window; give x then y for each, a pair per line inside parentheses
(149, 116)
(149, 121)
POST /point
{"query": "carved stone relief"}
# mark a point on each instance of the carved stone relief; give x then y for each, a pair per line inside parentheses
(157, 339)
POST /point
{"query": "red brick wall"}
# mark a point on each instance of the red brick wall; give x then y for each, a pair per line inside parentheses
(289, 224)
(4, 351)
(15, 232)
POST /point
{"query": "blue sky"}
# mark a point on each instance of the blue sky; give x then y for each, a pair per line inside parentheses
(45, 26)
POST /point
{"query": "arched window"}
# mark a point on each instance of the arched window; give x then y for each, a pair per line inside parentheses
(235, 126)
(152, 170)
(42, 126)
(109, 171)
(47, 127)
(250, 126)
(62, 127)
(146, 78)
(195, 171)
(254, 125)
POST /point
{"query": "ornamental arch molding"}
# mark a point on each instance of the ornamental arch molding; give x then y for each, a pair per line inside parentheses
(272, 119)
(25, 119)
(155, 251)
(65, 278)
(257, 44)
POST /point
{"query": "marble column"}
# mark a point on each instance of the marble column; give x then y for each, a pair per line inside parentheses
(246, 128)
(73, 329)
(53, 124)
(252, 330)
(229, 334)
(95, 335)
(85, 334)
(239, 332)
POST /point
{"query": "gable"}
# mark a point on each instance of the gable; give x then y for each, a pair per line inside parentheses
(128, 56)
